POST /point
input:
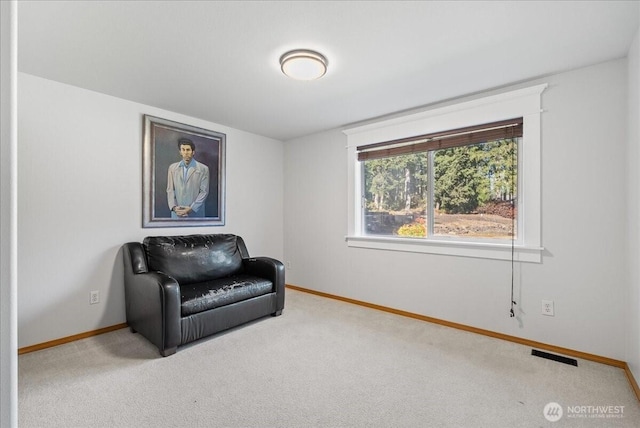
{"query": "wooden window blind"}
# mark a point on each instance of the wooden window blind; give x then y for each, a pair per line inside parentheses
(504, 129)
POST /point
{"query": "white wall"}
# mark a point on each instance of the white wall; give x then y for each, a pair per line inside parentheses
(583, 230)
(633, 160)
(80, 175)
(8, 217)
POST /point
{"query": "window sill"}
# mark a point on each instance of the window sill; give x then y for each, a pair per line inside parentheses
(484, 250)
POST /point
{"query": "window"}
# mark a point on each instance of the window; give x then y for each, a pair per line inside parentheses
(460, 183)
(459, 180)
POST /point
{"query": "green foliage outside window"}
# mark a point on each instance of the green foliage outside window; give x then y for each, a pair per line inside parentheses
(416, 229)
(468, 177)
(396, 183)
(465, 180)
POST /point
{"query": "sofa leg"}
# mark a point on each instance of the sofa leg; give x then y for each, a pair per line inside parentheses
(133, 330)
(277, 313)
(169, 351)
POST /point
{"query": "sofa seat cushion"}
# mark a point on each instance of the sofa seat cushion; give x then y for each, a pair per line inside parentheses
(203, 296)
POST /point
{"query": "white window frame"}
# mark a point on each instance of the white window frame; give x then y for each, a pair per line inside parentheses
(525, 103)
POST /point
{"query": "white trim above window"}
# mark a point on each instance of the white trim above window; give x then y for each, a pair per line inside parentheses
(525, 103)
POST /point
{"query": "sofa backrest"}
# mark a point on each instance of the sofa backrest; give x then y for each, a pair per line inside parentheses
(195, 258)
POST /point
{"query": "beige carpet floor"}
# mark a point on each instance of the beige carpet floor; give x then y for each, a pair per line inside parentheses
(323, 363)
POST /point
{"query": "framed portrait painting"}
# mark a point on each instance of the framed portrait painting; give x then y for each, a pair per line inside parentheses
(183, 175)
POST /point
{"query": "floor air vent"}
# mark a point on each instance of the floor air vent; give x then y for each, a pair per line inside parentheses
(554, 357)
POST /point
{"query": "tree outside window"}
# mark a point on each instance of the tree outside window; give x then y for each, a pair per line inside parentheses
(466, 191)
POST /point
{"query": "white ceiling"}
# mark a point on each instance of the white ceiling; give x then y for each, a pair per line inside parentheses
(218, 61)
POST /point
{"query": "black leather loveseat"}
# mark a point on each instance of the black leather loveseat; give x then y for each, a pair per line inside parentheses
(181, 288)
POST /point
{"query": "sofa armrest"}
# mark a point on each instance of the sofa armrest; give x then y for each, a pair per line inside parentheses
(153, 308)
(271, 269)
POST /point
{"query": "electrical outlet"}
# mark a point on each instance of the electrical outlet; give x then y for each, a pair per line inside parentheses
(289, 264)
(94, 297)
(547, 308)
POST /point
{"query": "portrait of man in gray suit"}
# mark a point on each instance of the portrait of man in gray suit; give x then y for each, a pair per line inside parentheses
(187, 189)
(187, 183)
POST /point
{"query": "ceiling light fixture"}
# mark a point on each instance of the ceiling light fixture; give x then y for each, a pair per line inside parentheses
(303, 64)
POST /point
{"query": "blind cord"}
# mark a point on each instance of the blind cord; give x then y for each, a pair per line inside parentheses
(513, 225)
